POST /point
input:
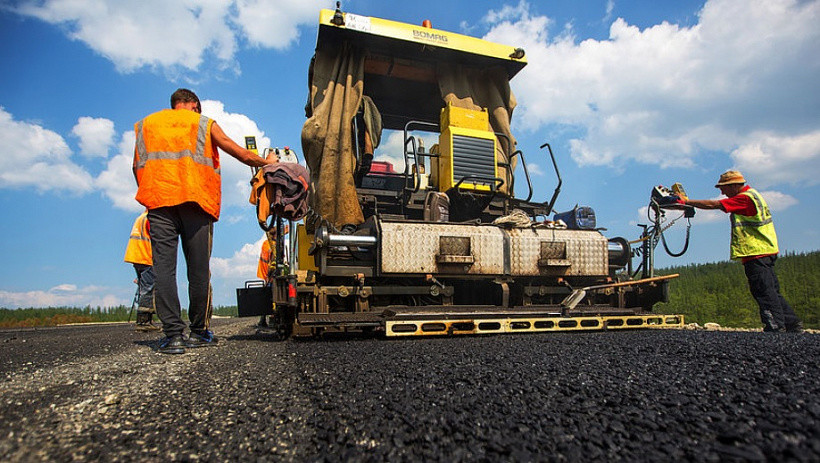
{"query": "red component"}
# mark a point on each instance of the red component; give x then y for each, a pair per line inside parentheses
(426, 23)
(291, 291)
(381, 167)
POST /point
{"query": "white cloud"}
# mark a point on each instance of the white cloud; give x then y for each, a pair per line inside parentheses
(117, 180)
(64, 295)
(148, 33)
(610, 7)
(392, 146)
(236, 176)
(667, 93)
(709, 215)
(770, 159)
(275, 23)
(508, 12)
(32, 154)
(175, 36)
(64, 288)
(778, 201)
(534, 170)
(243, 262)
(96, 136)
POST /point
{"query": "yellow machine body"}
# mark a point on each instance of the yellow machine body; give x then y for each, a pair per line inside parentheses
(467, 150)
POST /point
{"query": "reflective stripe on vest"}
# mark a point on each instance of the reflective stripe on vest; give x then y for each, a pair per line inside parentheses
(198, 156)
(139, 243)
(753, 235)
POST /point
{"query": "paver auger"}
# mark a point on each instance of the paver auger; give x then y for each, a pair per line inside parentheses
(443, 246)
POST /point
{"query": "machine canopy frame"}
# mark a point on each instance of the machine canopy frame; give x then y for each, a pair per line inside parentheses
(401, 61)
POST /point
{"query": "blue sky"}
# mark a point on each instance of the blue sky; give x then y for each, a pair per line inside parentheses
(629, 95)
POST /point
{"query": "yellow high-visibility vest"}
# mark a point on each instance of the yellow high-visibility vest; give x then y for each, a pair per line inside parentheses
(138, 250)
(753, 235)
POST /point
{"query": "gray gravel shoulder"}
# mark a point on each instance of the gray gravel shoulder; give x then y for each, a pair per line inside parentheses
(635, 396)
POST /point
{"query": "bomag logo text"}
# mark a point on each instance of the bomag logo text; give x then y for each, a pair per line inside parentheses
(424, 35)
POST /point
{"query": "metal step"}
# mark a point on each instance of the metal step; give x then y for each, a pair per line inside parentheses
(432, 321)
(481, 325)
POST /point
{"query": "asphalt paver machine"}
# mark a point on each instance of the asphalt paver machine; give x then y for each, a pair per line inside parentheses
(437, 243)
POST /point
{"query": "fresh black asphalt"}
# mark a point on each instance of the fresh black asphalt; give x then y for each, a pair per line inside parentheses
(92, 393)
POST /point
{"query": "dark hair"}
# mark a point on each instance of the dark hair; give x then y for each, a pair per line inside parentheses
(183, 95)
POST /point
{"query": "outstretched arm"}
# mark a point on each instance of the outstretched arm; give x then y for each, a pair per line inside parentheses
(243, 155)
(703, 203)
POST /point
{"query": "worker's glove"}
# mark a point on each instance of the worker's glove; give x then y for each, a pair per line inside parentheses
(669, 200)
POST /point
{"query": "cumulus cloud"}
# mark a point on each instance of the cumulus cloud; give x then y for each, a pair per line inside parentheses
(535, 170)
(96, 136)
(275, 23)
(174, 36)
(668, 93)
(772, 159)
(117, 181)
(64, 295)
(236, 176)
(32, 153)
(392, 146)
(778, 201)
(149, 33)
(242, 262)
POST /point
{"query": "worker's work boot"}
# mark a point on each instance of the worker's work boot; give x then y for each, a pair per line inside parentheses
(172, 345)
(201, 339)
(144, 322)
(798, 328)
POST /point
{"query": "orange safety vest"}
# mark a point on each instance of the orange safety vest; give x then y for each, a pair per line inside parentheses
(264, 261)
(175, 161)
(138, 250)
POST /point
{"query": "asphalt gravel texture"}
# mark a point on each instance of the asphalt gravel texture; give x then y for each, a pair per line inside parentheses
(91, 393)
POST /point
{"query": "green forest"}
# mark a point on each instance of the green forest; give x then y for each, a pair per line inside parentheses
(703, 293)
(719, 292)
(53, 316)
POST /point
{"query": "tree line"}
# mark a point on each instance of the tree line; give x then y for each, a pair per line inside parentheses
(715, 292)
(53, 316)
(719, 293)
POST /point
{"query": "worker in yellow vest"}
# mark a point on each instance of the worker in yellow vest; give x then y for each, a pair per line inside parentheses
(138, 254)
(177, 168)
(754, 243)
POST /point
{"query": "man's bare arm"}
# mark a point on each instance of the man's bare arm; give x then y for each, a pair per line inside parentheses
(703, 203)
(243, 155)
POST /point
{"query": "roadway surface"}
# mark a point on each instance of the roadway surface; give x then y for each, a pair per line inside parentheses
(90, 393)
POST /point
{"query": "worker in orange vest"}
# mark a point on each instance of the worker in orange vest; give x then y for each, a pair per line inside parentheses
(138, 254)
(263, 269)
(177, 168)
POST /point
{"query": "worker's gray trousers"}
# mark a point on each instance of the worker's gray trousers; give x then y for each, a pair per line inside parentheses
(195, 228)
